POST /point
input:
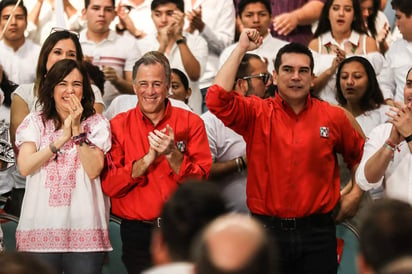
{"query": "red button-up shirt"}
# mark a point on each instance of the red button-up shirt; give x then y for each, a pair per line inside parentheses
(292, 164)
(142, 198)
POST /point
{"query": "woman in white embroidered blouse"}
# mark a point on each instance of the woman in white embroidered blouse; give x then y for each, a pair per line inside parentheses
(65, 215)
(341, 32)
(358, 92)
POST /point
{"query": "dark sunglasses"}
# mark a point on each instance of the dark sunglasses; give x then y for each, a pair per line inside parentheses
(265, 77)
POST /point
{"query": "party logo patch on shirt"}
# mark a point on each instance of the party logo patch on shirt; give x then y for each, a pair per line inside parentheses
(324, 132)
(181, 146)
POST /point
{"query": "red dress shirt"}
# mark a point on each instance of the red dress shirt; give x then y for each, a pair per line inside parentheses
(142, 198)
(292, 165)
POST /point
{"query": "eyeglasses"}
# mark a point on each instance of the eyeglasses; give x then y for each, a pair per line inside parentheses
(58, 29)
(265, 77)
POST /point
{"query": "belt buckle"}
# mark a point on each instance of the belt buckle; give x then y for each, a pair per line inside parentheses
(157, 222)
(288, 224)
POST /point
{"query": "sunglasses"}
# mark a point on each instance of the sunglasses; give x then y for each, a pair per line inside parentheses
(58, 29)
(265, 77)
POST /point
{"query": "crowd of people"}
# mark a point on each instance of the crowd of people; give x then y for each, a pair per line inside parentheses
(228, 136)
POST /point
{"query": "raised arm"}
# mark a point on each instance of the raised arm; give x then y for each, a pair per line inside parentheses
(249, 39)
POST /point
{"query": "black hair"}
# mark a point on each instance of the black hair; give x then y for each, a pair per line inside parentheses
(293, 48)
(87, 3)
(179, 4)
(373, 97)
(6, 3)
(324, 22)
(243, 3)
(182, 77)
(371, 19)
(403, 6)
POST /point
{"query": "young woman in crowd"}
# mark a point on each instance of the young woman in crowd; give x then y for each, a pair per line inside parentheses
(61, 44)
(340, 33)
(65, 215)
(376, 24)
(358, 92)
(180, 89)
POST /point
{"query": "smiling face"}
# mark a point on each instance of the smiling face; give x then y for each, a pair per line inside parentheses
(71, 84)
(151, 89)
(341, 15)
(63, 49)
(256, 16)
(353, 81)
(294, 78)
(17, 26)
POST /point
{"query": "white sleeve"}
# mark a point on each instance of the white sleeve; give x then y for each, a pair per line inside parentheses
(222, 31)
(374, 142)
(386, 79)
(29, 130)
(210, 127)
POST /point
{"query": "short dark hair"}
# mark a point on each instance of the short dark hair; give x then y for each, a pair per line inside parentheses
(373, 97)
(186, 213)
(403, 6)
(243, 3)
(182, 76)
(6, 3)
(293, 48)
(179, 4)
(151, 58)
(47, 47)
(55, 75)
(385, 232)
(87, 3)
(324, 22)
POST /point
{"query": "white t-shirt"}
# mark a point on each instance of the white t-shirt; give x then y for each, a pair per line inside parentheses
(119, 52)
(20, 66)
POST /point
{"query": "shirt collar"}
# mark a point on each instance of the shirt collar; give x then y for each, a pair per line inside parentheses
(328, 39)
(285, 106)
(83, 37)
(166, 114)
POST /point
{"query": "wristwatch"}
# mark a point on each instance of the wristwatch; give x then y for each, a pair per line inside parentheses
(408, 138)
(119, 30)
(181, 40)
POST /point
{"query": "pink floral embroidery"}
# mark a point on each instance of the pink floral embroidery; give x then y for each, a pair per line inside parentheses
(63, 239)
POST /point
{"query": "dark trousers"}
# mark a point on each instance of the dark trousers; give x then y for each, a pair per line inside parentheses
(309, 247)
(136, 238)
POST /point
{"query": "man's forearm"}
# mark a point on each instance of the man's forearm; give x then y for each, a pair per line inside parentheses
(376, 166)
(226, 76)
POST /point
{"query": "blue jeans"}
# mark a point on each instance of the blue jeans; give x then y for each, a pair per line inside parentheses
(73, 262)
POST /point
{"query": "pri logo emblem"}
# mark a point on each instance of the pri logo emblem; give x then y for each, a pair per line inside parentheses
(181, 146)
(324, 132)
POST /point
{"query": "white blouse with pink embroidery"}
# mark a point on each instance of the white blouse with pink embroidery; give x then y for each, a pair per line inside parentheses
(63, 210)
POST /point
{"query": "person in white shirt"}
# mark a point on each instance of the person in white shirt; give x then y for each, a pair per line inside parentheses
(47, 14)
(229, 168)
(399, 56)
(387, 153)
(18, 54)
(214, 20)
(134, 18)
(184, 51)
(256, 14)
(115, 55)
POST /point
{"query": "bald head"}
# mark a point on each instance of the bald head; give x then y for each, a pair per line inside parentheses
(234, 243)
